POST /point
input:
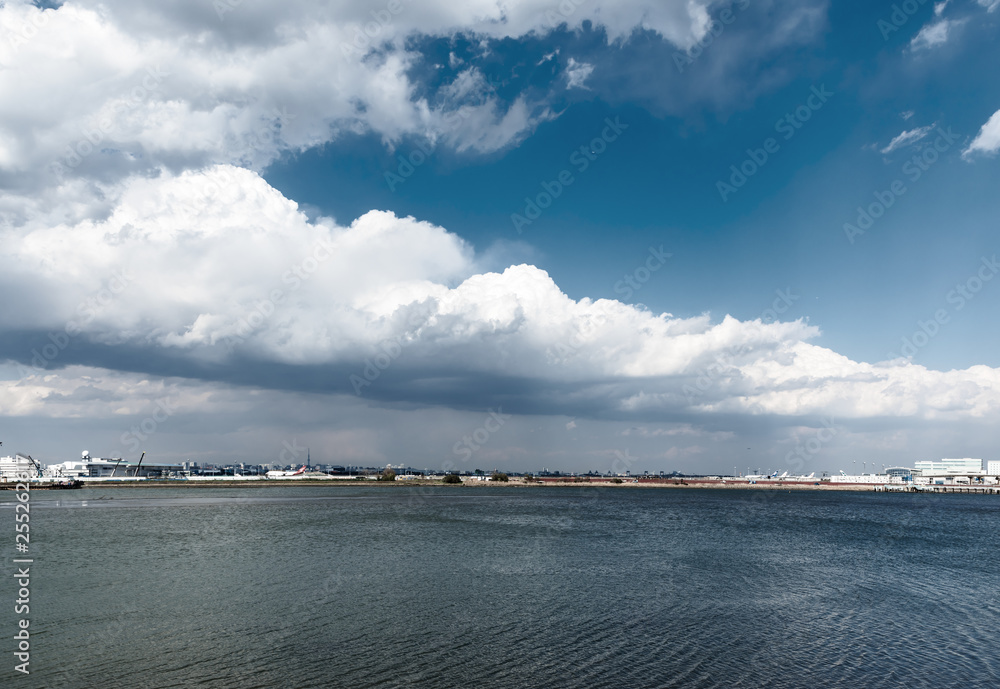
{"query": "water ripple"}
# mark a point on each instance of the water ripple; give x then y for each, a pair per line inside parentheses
(358, 587)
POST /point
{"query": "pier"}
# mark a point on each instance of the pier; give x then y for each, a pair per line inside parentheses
(992, 489)
(984, 490)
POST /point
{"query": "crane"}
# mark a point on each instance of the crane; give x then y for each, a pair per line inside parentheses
(35, 464)
(139, 465)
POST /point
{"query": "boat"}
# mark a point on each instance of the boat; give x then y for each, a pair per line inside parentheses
(66, 485)
(41, 484)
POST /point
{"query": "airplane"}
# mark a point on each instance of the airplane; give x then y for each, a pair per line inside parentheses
(286, 474)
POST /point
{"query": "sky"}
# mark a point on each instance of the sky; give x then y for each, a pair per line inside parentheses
(697, 236)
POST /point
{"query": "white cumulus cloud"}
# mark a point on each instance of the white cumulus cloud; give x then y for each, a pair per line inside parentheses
(108, 89)
(216, 267)
(987, 140)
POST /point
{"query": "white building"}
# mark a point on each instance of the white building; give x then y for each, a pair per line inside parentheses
(10, 467)
(89, 467)
(966, 465)
(873, 479)
(993, 468)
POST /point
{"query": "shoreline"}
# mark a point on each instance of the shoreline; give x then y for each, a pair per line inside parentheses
(515, 483)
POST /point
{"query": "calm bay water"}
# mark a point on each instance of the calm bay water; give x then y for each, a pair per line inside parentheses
(502, 587)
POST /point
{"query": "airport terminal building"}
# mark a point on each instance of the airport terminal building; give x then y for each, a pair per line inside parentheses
(966, 465)
(88, 467)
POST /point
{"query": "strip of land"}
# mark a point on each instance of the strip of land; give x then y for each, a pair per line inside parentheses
(517, 482)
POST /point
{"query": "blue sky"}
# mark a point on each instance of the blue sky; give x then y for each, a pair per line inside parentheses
(782, 230)
(700, 283)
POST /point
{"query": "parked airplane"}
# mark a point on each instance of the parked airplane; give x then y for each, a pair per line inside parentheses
(285, 474)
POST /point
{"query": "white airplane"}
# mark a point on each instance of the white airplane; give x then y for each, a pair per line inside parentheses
(285, 474)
